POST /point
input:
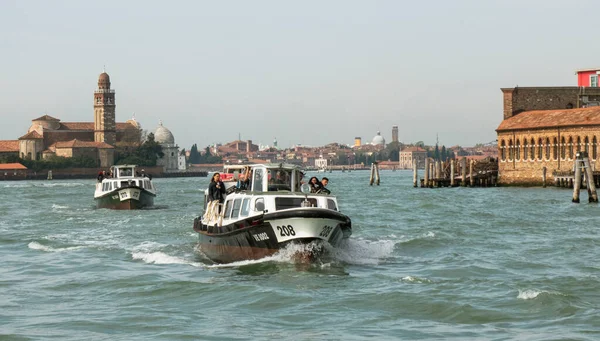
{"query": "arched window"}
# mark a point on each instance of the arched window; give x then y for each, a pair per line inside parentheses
(555, 149)
(563, 148)
(547, 148)
(571, 147)
(532, 147)
(578, 143)
(511, 150)
(586, 145)
(518, 150)
(29, 156)
(525, 150)
(594, 148)
(540, 148)
(503, 150)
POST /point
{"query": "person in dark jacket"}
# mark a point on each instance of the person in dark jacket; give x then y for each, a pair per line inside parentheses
(216, 189)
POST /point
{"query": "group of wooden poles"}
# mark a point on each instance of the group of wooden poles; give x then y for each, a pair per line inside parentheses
(583, 172)
(437, 174)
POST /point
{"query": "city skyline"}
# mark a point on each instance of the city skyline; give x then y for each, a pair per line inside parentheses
(310, 74)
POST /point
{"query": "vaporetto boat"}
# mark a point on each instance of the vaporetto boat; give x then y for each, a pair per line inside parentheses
(276, 210)
(125, 188)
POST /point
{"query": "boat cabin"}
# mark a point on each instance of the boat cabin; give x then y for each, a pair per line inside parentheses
(272, 187)
(122, 176)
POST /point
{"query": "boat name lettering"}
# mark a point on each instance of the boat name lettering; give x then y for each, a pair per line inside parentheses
(326, 231)
(123, 194)
(261, 236)
(286, 231)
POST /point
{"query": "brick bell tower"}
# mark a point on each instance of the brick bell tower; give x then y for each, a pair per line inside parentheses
(104, 111)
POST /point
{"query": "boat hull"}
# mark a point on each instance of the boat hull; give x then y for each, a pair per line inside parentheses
(262, 236)
(130, 198)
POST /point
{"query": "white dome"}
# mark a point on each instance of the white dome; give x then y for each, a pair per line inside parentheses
(163, 135)
(378, 140)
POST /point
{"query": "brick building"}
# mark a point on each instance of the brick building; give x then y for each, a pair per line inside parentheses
(544, 127)
(48, 136)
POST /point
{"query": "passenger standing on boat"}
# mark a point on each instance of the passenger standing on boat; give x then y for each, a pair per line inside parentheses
(244, 181)
(216, 190)
(324, 183)
(315, 184)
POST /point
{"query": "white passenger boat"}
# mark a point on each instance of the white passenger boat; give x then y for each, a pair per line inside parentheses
(274, 211)
(124, 188)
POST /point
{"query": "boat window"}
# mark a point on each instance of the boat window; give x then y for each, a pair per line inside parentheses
(331, 205)
(116, 184)
(259, 204)
(257, 181)
(123, 183)
(245, 207)
(280, 180)
(285, 203)
(237, 203)
(228, 207)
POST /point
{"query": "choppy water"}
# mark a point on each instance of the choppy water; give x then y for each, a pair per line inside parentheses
(460, 263)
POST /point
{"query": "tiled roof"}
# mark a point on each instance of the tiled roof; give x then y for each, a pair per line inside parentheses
(31, 135)
(552, 118)
(11, 166)
(9, 146)
(46, 118)
(82, 144)
(77, 126)
(90, 126)
(412, 149)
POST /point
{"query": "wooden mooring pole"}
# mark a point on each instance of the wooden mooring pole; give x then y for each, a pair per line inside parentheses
(452, 172)
(577, 180)
(463, 169)
(544, 177)
(426, 176)
(589, 175)
(471, 178)
(415, 173)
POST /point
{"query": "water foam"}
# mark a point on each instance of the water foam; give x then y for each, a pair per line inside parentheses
(532, 293)
(363, 251)
(161, 258)
(418, 280)
(41, 247)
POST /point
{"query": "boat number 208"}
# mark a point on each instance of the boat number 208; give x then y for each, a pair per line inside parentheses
(286, 231)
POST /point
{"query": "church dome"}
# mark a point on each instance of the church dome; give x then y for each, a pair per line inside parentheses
(378, 140)
(163, 135)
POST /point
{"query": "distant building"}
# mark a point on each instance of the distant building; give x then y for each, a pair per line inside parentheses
(588, 77)
(170, 160)
(357, 142)
(378, 140)
(544, 127)
(395, 134)
(410, 155)
(48, 136)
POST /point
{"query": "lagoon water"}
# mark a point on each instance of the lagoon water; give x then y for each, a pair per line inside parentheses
(422, 264)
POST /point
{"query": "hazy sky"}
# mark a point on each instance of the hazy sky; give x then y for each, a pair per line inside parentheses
(304, 72)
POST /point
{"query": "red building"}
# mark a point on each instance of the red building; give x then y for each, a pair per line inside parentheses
(588, 77)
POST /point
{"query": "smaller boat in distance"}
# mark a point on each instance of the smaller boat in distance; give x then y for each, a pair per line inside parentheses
(124, 188)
